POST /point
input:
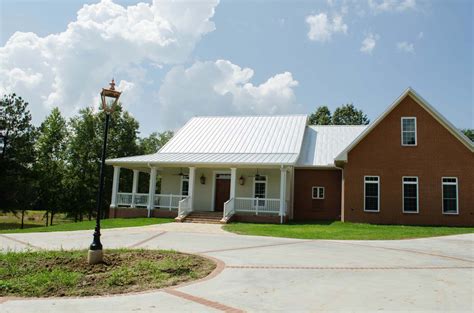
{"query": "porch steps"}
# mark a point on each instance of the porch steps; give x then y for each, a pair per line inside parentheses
(204, 217)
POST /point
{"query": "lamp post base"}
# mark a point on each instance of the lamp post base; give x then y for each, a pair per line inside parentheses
(95, 256)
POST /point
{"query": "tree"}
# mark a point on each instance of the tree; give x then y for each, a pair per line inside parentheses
(322, 116)
(50, 164)
(154, 142)
(343, 115)
(349, 115)
(84, 153)
(469, 133)
(17, 183)
(150, 145)
(122, 142)
(82, 170)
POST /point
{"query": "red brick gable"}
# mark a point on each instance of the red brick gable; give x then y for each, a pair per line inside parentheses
(438, 153)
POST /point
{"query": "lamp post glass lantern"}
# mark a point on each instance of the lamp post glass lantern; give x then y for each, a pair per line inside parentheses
(109, 99)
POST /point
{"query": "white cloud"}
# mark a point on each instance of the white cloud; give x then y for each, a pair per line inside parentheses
(420, 35)
(321, 28)
(369, 42)
(68, 69)
(406, 47)
(378, 6)
(222, 88)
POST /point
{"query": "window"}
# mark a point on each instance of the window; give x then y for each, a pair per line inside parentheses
(260, 189)
(450, 195)
(318, 192)
(408, 131)
(184, 185)
(410, 194)
(372, 193)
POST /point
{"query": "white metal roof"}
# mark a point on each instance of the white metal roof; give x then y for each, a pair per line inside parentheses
(323, 143)
(265, 140)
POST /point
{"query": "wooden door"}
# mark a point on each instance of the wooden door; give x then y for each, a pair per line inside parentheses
(222, 193)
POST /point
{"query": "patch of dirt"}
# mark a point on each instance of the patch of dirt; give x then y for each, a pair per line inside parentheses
(67, 273)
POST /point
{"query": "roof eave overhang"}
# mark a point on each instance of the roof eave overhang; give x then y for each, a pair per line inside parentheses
(198, 164)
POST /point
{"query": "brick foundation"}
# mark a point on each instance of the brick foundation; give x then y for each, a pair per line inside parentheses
(270, 219)
(140, 212)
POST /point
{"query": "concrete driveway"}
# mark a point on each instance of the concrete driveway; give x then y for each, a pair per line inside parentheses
(265, 274)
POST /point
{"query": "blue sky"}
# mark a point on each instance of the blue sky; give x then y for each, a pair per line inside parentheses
(277, 57)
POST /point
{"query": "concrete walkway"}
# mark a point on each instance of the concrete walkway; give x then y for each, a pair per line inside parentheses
(266, 274)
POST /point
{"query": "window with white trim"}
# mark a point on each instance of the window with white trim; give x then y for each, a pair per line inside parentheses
(318, 192)
(184, 185)
(408, 131)
(450, 195)
(260, 189)
(410, 194)
(372, 193)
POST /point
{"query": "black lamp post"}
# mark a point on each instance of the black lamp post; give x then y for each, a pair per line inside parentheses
(2, 142)
(3, 137)
(109, 99)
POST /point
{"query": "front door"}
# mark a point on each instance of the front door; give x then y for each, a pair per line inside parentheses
(222, 191)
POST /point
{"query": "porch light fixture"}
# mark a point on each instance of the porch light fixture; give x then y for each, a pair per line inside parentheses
(241, 180)
(203, 179)
(109, 100)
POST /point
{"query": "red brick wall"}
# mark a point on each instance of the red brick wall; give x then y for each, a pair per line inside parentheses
(271, 219)
(307, 208)
(437, 154)
(139, 212)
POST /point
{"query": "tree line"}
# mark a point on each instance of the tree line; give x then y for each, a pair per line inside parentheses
(348, 114)
(55, 167)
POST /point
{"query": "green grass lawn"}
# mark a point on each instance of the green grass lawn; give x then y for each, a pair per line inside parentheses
(107, 223)
(67, 273)
(343, 231)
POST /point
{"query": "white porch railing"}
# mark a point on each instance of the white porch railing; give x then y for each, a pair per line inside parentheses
(141, 199)
(184, 207)
(124, 198)
(229, 209)
(257, 205)
(167, 201)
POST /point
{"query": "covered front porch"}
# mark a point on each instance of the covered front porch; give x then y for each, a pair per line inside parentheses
(235, 191)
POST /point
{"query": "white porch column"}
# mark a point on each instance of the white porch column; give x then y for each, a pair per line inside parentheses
(282, 194)
(192, 175)
(115, 187)
(151, 190)
(134, 186)
(233, 179)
